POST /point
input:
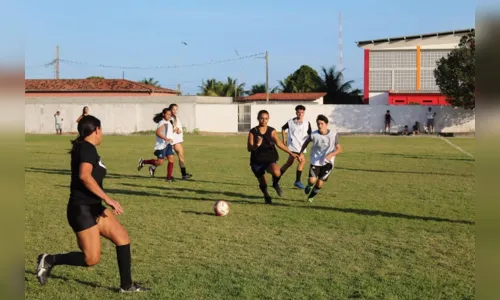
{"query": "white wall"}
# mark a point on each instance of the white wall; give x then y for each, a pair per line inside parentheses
(370, 118)
(123, 115)
(378, 98)
(217, 117)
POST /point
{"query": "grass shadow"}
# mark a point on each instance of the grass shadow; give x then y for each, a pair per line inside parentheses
(402, 172)
(91, 284)
(198, 213)
(425, 156)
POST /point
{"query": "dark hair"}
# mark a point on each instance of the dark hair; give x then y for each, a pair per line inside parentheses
(322, 118)
(83, 111)
(262, 112)
(300, 107)
(172, 106)
(86, 126)
(388, 111)
(159, 116)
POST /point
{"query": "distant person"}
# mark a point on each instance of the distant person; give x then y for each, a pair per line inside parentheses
(298, 132)
(388, 119)
(324, 150)
(85, 112)
(58, 119)
(430, 120)
(416, 128)
(261, 144)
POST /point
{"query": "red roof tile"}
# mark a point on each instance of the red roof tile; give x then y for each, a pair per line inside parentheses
(90, 85)
(284, 97)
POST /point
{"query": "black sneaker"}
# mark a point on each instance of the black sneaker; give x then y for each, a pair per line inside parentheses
(187, 176)
(268, 199)
(140, 164)
(134, 288)
(152, 170)
(43, 269)
(278, 189)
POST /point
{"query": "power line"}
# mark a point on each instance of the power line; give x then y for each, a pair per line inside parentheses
(212, 62)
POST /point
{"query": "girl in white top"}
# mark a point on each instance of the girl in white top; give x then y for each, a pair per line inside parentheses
(178, 139)
(163, 146)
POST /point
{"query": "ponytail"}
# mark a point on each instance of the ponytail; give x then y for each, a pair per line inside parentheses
(86, 127)
(159, 116)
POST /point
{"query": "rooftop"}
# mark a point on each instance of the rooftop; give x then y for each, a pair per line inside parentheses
(413, 37)
(91, 85)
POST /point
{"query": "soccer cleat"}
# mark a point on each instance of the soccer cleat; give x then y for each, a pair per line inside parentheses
(268, 199)
(310, 199)
(43, 269)
(308, 189)
(187, 176)
(152, 170)
(278, 189)
(171, 179)
(299, 185)
(134, 288)
(140, 164)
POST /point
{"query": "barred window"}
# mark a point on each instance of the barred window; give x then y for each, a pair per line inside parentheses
(380, 80)
(405, 79)
(429, 58)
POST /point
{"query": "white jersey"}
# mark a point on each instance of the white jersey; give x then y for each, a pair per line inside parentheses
(168, 132)
(322, 145)
(297, 134)
(58, 119)
(178, 137)
(430, 115)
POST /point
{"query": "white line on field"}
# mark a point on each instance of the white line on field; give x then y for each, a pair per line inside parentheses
(456, 147)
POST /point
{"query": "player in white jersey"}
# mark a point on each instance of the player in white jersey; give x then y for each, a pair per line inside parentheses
(163, 146)
(430, 120)
(298, 132)
(178, 139)
(325, 147)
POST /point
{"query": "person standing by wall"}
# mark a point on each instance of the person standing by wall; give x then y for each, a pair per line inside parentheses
(58, 119)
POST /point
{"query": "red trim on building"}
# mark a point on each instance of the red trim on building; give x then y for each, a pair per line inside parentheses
(422, 99)
(366, 75)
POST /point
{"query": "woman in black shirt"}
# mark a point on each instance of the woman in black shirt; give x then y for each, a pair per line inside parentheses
(262, 142)
(86, 215)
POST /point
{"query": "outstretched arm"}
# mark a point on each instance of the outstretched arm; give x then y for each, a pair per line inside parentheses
(306, 143)
(281, 145)
(250, 144)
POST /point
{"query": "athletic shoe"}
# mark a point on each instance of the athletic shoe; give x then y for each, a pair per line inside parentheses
(187, 176)
(299, 185)
(310, 199)
(152, 170)
(268, 199)
(171, 179)
(278, 189)
(134, 288)
(308, 189)
(43, 269)
(140, 164)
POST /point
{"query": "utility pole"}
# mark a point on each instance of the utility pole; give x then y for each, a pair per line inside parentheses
(267, 77)
(123, 74)
(340, 42)
(179, 87)
(56, 65)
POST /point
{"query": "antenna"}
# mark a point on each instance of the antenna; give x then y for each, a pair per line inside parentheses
(340, 42)
(56, 65)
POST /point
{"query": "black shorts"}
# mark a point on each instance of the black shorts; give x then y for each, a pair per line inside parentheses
(81, 217)
(259, 169)
(321, 172)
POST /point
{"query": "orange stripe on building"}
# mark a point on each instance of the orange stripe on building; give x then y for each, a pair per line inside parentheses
(418, 67)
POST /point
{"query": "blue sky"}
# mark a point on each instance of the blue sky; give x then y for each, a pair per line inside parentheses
(150, 33)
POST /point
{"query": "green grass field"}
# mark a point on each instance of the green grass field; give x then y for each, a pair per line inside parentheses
(396, 220)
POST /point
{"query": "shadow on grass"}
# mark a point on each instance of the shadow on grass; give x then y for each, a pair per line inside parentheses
(404, 172)
(198, 213)
(424, 156)
(52, 277)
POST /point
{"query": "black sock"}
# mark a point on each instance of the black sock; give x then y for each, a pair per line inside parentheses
(124, 265)
(298, 175)
(314, 192)
(263, 188)
(69, 259)
(183, 171)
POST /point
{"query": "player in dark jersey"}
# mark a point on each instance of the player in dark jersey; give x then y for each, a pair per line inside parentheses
(388, 118)
(86, 215)
(262, 142)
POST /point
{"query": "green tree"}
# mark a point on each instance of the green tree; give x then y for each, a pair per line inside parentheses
(95, 77)
(256, 89)
(338, 91)
(456, 74)
(304, 80)
(230, 88)
(151, 81)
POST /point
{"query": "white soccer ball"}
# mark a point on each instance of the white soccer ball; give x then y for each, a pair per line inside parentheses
(221, 208)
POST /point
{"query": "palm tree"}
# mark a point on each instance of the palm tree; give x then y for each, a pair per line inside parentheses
(256, 89)
(151, 81)
(213, 87)
(338, 91)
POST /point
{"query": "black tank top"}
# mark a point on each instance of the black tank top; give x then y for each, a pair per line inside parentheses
(267, 152)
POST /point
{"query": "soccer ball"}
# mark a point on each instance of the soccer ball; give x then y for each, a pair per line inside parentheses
(221, 208)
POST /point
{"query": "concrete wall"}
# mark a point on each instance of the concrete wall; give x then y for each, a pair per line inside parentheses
(378, 98)
(370, 118)
(123, 115)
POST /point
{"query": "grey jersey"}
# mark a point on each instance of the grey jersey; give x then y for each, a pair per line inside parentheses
(322, 145)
